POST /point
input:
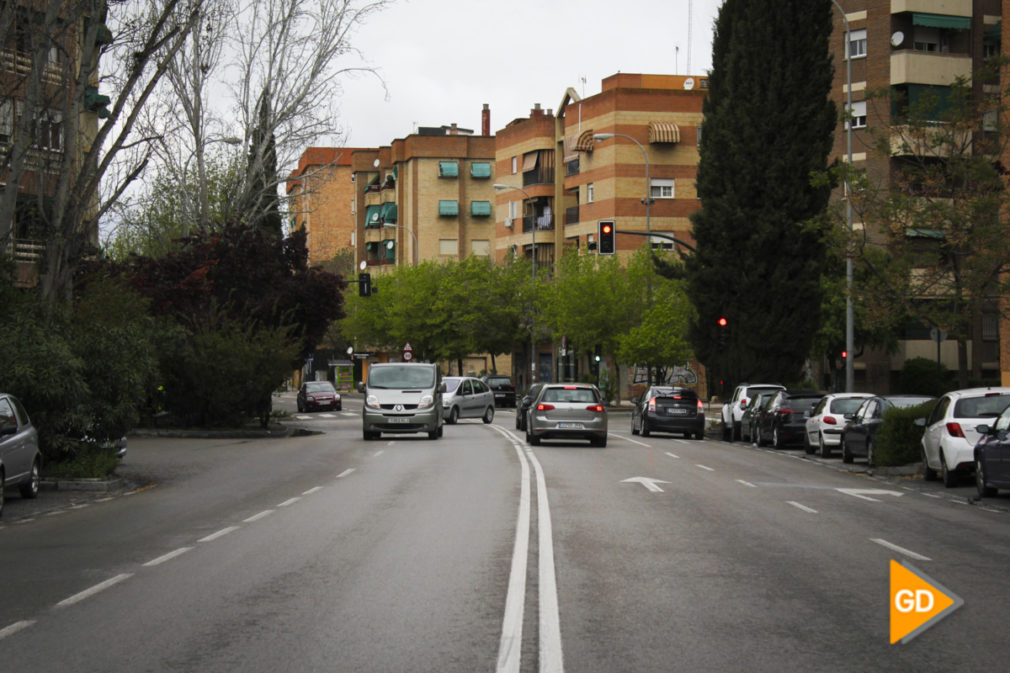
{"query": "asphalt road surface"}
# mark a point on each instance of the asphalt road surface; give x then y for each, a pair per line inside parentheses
(476, 552)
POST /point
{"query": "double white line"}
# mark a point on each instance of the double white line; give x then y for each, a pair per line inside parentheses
(510, 647)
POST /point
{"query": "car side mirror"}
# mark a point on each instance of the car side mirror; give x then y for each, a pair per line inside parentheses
(983, 429)
(441, 387)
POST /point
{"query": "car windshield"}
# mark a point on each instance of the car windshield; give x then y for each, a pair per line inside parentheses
(846, 405)
(499, 381)
(800, 402)
(319, 387)
(451, 383)
(401, 376)
(983, 406)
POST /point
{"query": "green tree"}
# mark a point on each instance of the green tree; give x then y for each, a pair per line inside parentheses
(768, 127)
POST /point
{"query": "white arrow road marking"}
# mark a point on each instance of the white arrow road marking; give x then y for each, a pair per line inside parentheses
(647, 482)
(802, 507)
(864, 493)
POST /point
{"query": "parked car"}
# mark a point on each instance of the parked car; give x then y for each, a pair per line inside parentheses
(783, 420)
(668, 409)
(859, 436)
(567, 411)
(828, 419)
(20, 458)
(749, 420)
(524, 404)
(992, 456)
(313, 395)
(466, 397)
(503, 388)
(402, 397)
(732, 411)
(949, 438)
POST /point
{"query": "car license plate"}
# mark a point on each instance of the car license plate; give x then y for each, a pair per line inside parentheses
(570, 426)
(398, 419)
(499, 394)
(676, 411)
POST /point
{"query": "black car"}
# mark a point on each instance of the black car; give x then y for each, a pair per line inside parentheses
(749, 420)
(861, 432)
(524, 405)
(783, 419)
(992, 456)
(503, 388)
(314, 395)
(668, 409)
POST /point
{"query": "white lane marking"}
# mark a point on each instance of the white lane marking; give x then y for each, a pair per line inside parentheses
(647, 482)
(803, 507)
(672, 455)
(288, 502)
(510, 646)
(633, 441)
(88, 593)
(218, 534)
(345, 473)
(262, 515)
(900, 550)
(551, 658)
(167, 557)
(705, 467)
(932, 495)
(57, 512)
(865, 493)
(745, 483)
(315, 489)
(378, 453)
(15, 627)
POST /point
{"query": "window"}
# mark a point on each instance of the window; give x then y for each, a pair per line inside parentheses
(448, 208)
(858, 114)
(515, 165)
(480, 247)
(857, 44)
(6, 120)
(926, 39)
(354, 207)
(447, 246)
(480, 169)
(662, 188)
(590, 192)
(448, 169)
(480, 208)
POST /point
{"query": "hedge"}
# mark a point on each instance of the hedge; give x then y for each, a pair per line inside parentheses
(898, 440)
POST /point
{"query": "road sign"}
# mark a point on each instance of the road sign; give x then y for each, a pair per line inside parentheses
(408, 352)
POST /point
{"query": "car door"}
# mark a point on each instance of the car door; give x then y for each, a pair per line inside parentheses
(15, 448)
(813, 424)
(997, 453)
(935, 427)
(465, 396)
(483, 397)
(855, 434)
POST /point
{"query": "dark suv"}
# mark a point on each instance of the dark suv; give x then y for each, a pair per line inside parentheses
(503, 388)
(668, 409)
(783, 419)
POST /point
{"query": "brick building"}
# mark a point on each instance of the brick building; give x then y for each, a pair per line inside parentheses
(323, 202)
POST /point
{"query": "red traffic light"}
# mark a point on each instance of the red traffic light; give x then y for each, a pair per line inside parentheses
(845, 354)
(722, 322)
(606, 228)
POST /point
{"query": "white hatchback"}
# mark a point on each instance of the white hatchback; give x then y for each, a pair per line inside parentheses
(948, 442)
(828, 420)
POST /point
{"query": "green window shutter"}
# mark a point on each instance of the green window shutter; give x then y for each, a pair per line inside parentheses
(448, 208)
(480, 169)
(448, 169)
(372, 216)
(941, 21)
(388, 213)
(389, 250)
(480, 208)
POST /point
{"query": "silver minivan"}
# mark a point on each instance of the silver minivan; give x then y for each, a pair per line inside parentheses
(467, 397)
(402, 397)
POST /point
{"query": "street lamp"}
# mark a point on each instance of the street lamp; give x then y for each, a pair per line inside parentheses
(533, 256)
(391, 225)
(648, 186)
(849, 312)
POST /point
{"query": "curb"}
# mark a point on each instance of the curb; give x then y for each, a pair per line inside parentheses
(87, 484)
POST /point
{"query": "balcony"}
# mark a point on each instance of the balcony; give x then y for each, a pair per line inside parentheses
(917, 67)
(543, 223)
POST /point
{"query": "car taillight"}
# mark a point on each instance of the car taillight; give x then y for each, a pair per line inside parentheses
(830, 420)
(598, 408)
(955, 430)
(701, 407)
(743, 403)
(785, 412)
(545, 407)
(652, 404)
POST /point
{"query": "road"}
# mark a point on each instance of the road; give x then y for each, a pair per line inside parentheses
(476, 552)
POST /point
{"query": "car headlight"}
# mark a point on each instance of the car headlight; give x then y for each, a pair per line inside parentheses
(426, 401)
(372, 402)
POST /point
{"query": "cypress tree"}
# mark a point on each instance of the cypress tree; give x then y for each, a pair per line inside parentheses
(768, 126)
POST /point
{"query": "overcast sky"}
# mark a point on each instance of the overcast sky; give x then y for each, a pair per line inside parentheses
(443, 59)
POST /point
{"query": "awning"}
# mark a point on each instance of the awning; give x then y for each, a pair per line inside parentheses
(530, 160)
(480, 208)
(480, 169)
(941, 21)
(372, 216)
(448, 169)
(585, 141)
(448, 208)
(664, 132)
(389, 249)
(388, 212)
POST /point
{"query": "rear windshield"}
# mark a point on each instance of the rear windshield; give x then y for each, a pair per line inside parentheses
(401, 376)
(846, 405)
(586, 395)
(681, 394)
(800, 402)
(981, 407)
(499, 381)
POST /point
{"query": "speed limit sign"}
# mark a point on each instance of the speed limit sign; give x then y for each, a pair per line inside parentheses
(408, 352)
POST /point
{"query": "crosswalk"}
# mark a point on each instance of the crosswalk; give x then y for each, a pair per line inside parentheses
(316, 417)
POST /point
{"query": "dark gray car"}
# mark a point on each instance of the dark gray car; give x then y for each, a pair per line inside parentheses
(20, 459)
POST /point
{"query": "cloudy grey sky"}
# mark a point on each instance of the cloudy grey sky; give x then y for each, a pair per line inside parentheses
(443, 59)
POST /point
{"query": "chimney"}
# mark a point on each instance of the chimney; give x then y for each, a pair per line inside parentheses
(454, 130)
(485, 120)
(536, 111)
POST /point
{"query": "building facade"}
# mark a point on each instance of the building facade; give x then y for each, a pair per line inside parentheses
(323, 202)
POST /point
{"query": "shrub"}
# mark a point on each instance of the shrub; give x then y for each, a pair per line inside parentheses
(922, 376)
(898, 440)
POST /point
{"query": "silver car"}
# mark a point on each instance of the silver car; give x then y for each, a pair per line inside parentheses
(20, 459)
(567, 411)
(467, 397)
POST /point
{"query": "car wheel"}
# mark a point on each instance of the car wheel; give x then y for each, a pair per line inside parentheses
(600, 442)
(435, 434)
(453, 416)
(301, 408)
(645, 428)
(808, 448)
(846, 454)
(634, 430)
(30, 489)
(776, 440)
(519, 423)
(1, 492)
(983, 490)
(823, 448)
(339, 407)
(871, 460)
(488, 415)
(737, 431)
(928, 473)
(727, 435)
(699, 435)
(534, 440)
(949, 478)
(368, 435)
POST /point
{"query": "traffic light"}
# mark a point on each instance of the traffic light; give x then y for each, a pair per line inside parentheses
(607, 232)
(723, 324)
(364, 284)
(845, 354)
(597, 353)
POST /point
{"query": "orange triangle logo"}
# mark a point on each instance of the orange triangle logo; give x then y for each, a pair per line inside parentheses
(917, 602)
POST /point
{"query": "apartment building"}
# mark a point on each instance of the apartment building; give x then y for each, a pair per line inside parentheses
(914, 50)
(323, 201)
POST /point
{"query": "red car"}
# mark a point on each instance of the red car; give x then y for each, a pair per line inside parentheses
(314, 395)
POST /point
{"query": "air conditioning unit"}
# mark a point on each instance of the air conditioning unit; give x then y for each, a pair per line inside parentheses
(508, 222)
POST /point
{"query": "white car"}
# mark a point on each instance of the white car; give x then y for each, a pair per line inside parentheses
(948, 442)
(828, 419)
(732, 411)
